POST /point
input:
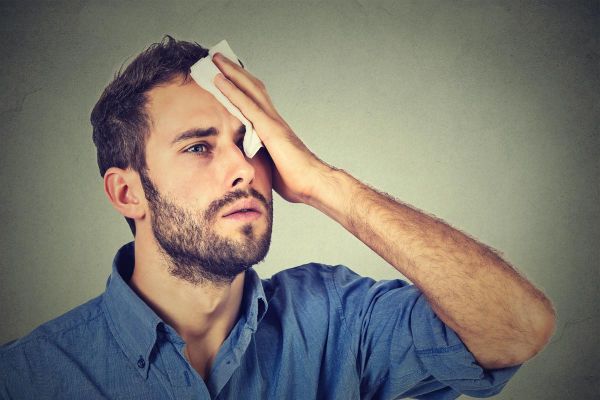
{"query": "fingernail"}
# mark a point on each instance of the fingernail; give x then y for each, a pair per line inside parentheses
(218, 56)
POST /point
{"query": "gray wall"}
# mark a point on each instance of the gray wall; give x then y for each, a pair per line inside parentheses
(482, 113)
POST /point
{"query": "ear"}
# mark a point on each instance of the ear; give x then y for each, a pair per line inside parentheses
(124, 190)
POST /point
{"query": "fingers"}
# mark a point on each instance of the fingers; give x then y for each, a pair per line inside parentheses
(247, 83)
(251, 110)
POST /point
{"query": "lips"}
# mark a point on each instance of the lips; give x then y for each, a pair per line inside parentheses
(244, 206)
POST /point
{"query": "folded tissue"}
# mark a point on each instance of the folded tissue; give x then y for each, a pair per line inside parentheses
(204, 72)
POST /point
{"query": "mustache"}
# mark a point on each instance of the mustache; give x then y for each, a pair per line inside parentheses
(231, 197)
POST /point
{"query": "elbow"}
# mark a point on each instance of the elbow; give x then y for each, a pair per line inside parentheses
(537, 338)
(525, 343)
(546, 327)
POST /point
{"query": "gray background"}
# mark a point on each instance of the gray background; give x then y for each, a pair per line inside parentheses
(484, 114)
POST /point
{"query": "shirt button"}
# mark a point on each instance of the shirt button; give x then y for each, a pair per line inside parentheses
(141, 363)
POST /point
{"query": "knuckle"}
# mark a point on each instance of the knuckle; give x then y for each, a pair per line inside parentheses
(259, 84)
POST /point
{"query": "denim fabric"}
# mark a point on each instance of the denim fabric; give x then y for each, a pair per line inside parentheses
(310, 332)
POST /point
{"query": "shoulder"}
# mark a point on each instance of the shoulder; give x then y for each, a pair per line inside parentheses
(339, 280)
(319, 285)
(63, 329)
(310, 278)
(315, 272)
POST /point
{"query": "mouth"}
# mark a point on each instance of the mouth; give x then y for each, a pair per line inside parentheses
(244, 210)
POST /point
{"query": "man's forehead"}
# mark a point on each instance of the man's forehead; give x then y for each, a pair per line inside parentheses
(179, 106)
(177, 97)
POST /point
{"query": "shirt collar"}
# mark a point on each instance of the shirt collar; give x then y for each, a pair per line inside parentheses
(134, 324)
(254, 301)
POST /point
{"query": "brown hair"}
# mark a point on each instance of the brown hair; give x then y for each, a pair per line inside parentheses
(119, 120)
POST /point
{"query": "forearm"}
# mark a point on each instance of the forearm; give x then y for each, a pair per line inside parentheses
(501, 317)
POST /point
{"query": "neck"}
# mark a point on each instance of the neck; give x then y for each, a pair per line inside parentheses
(203, 315)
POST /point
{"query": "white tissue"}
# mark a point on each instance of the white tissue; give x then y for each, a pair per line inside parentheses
(204, 72)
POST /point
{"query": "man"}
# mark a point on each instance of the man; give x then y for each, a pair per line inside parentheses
(185, 316)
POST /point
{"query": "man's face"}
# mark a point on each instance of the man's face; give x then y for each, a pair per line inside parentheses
(197, 175)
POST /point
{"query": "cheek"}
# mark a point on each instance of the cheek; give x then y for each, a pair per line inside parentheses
(193, 190)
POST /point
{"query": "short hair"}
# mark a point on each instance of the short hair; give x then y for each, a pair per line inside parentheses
(119, 120)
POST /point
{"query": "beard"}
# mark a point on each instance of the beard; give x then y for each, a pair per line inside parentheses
(193, 250)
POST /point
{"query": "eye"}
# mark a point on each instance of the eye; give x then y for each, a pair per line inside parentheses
(199, 148)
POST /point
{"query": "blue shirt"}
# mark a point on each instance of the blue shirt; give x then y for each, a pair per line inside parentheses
(310, 332)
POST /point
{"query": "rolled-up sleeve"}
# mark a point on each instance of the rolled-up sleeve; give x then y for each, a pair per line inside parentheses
(403, 349)
(447, 358)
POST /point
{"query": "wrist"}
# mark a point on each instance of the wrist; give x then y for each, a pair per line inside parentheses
(332, 194)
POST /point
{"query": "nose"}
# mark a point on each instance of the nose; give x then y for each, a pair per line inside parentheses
(240, 172)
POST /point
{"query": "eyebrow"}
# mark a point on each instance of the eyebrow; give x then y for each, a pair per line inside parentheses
(195, 133)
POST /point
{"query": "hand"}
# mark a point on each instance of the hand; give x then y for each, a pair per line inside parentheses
(297, 172)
